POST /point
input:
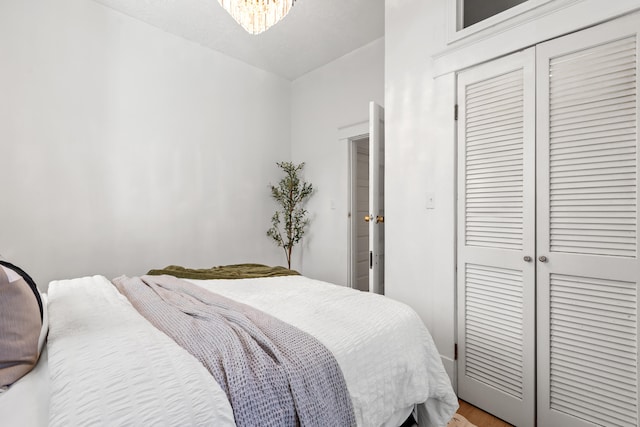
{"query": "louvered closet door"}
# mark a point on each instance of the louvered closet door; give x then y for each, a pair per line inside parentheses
(496, 213)
(587, 227)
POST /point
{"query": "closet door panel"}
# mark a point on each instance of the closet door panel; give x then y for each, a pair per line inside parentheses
(587, 222)
(496, 286)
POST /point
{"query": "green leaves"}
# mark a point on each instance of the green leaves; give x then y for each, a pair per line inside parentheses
(290, 194)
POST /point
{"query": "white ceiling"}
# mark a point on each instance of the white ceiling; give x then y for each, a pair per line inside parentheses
(315, 32)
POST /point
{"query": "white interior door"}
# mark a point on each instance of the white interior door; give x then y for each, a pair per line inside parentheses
(376, 198)
(587, 227)
(496, 237)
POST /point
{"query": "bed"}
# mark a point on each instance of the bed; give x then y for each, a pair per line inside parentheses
(105, 364)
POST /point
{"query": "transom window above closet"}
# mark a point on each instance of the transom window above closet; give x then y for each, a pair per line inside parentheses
(474, 11)
(468, 17)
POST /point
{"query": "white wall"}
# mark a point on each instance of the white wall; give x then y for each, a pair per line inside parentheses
(420, 155)
(333, 96)
(125, 148)
(421, 145)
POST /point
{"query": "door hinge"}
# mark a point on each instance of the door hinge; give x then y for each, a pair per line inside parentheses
(455, 112)
(455, 352)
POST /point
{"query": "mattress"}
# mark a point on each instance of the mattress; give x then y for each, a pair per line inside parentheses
(109, 366)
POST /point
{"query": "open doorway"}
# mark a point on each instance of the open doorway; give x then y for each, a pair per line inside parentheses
(359, 209)
(365, 143)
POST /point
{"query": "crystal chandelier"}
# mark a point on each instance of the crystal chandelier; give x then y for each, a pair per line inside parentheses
(257, 16)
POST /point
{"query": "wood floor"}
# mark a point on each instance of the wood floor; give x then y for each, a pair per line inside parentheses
(479, 417)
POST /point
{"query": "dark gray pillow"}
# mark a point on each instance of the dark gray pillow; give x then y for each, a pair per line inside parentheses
(20, 326)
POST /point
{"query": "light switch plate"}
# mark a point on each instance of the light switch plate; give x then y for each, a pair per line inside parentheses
(431, 201)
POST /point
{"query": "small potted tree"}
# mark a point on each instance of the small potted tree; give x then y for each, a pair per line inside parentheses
(289, 221)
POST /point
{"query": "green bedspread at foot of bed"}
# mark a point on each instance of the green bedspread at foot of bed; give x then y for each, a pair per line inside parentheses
(235, 271)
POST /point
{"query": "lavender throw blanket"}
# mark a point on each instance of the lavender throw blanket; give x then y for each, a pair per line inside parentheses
(273, 373)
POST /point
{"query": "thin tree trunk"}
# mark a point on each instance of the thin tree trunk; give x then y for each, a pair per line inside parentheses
(289, 257)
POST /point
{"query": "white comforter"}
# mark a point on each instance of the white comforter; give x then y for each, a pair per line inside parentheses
(109, 366)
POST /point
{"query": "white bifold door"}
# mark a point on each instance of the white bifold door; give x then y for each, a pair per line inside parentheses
(548, 266)
(496, 237)
(587, 212)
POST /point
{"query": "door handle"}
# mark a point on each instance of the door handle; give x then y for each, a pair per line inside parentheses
(379, 219)
(543, 258)
(367, 218)
(527, 258)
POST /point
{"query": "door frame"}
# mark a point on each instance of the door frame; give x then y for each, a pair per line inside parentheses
(347, 136)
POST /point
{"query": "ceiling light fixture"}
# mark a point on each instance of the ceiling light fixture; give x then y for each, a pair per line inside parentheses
(257, 16)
